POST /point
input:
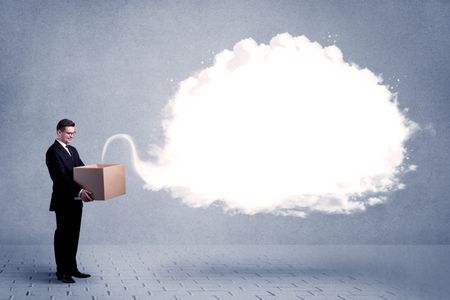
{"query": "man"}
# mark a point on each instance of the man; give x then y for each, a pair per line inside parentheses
(61, 158)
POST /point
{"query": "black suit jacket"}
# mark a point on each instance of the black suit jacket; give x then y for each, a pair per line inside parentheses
(60, 166)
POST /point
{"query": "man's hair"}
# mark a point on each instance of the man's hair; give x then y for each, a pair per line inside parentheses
(64, 123)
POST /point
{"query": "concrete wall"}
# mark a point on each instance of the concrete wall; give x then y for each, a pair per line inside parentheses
(112, 66)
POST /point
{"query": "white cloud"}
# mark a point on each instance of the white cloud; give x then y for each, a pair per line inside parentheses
(374, 200)
(285, 128)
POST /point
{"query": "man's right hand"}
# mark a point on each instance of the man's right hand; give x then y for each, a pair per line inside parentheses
(87, 196)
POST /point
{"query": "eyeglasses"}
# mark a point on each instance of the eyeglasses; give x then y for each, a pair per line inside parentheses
(70, 133)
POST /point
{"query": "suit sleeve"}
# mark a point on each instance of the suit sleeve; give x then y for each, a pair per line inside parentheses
(79, 162)
(59, 174)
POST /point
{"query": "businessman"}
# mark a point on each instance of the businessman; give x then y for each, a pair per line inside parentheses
(66, 202)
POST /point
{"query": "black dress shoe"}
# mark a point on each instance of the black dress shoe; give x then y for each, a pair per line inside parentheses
(78, 274)
(66, 278)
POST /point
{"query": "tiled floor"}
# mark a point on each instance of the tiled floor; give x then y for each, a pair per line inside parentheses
(232, 272)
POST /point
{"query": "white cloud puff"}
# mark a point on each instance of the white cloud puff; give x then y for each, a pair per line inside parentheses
(286, 128)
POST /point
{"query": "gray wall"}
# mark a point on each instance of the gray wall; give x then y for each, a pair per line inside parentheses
(111, 66)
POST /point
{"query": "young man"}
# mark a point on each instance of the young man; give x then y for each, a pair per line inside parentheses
(61, 158)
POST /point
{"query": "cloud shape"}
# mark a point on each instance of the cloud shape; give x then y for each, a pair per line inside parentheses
(286, 128)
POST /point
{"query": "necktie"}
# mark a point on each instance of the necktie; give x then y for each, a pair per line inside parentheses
(70, 152)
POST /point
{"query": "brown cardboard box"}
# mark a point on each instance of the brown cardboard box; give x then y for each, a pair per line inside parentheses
(104, 180)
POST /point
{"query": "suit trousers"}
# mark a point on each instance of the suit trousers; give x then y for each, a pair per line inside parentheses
(67, 233)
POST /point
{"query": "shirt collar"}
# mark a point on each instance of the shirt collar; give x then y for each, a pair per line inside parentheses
(62, 144)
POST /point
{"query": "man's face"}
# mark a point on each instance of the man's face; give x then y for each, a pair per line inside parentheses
(66, 135)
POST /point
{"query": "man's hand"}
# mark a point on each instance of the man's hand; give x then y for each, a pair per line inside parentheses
(87, 196)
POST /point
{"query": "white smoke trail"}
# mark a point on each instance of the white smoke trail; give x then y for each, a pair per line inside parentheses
(285, 128)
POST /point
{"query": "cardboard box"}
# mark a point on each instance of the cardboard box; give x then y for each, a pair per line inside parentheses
(104, 180)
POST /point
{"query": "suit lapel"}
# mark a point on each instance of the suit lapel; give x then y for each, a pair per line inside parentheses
(67, 159)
